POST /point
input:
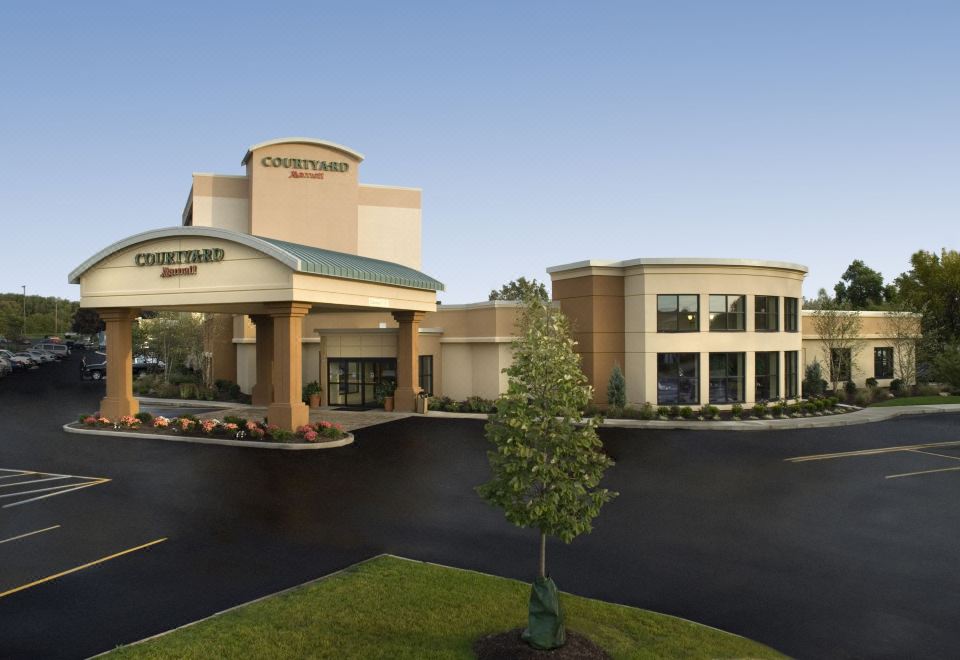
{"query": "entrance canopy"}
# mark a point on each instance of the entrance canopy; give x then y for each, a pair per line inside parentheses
(208, 269)
(218, 270)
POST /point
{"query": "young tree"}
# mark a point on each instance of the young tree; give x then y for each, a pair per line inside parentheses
(547, 464)
(932, 288)
(86, 322)
(520, 289)
(838, 331)
(617, 389)
(860, 286)
(903, 328)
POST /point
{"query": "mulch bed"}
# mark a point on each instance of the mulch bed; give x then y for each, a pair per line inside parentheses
(509, 646)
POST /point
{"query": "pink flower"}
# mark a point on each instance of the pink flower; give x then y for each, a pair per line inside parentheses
(325, 425)
(310, 436)
(89, 420)
(160, 422)
(230, 426)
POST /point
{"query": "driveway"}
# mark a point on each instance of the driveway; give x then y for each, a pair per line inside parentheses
(829, 556)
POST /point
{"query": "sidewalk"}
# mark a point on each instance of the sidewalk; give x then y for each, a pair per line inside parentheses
(352, 420)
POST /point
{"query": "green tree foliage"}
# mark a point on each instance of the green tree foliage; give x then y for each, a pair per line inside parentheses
(175, 338)
(947, 366)
(617, 389)
(520, 289)
(45, 315)
(932, 288)
(546, 464)
(86, 322)
(860, 287)
(813, 381)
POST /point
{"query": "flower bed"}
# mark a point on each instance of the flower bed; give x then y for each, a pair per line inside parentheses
(230, 428)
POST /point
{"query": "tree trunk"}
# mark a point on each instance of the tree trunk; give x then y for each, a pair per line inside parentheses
(543, 554)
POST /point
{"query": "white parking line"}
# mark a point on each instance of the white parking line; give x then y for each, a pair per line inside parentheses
(913, 474)
(23, 536)
(25, 487)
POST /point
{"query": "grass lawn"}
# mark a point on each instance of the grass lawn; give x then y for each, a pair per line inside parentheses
(919, 401)
(395, 608)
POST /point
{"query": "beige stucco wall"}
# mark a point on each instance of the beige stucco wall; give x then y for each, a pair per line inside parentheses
(581, 288)
(218, 200)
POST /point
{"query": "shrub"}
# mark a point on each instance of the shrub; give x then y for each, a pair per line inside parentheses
(862, 398)
(871, 382)
(646, 411)
(926, 390)
(282, 436)
(627, 412)
(896, 386)
(819, 405)
(233, 419)
(144, 417)
(709, 412)
(813, 381)
(592, 411)
(778, 408)
(759, 409)
(674, 411)
(663, 411)
(809, 407)
(737, 410)
(795, 408)
(832, 402)
(476, 404)
(686, 412)
(440, 403)
(617, 389)
(946, 365)
(850, 388)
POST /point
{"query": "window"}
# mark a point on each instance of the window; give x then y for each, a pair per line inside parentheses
(677, 378)
(766, 313)
(791, 314)
(883, 362)
(791, 373)
(728, 313)
(839, 364)
(767, 375)
(679, 313)
(726, 377)
(426, 373)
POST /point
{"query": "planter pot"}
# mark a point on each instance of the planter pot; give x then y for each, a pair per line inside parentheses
(314, 400)
(388, 403)
(423, 404)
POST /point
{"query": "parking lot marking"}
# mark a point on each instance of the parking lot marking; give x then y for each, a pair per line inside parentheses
(33, 481)
(869, 452)
(913, 474)
(23, 536)
(60, 490)
(930, 453)
(20, 473)
(79, 568)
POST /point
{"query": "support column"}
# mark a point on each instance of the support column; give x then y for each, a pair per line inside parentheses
(119, 400)
(287, 410)
(408, 365)
(262, 393)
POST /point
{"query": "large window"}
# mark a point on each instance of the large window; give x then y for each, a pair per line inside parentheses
(679, 313)
(728, 313)
(791, 373)
(767, 375)
(883, 362)
(726, 377)
(839, 364)
(791, 314)
(677, 378)
(426, 373)
(766, 313)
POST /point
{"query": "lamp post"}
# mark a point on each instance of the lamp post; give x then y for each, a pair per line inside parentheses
(24, 309)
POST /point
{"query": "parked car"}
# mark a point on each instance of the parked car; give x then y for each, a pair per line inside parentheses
(40, 356)
(60, 350)
(5, 367)
(147, 365)
(34, 360)
(93, 371)
(16, 361)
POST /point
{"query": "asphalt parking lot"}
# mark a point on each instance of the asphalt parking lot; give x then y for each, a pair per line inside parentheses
(785, 537)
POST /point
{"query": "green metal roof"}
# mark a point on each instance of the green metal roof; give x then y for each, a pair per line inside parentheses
(353, 267)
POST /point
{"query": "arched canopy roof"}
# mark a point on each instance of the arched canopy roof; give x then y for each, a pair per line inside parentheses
(302, 140)
(300, 258)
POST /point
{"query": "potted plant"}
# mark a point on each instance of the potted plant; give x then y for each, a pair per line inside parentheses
(384, 393)
(312, 392)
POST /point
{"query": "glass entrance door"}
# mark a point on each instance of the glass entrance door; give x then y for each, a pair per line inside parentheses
(353, 381)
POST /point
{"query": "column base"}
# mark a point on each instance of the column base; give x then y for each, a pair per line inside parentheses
(114, 408)
(288, 416)
(405, 399)
(261, 394)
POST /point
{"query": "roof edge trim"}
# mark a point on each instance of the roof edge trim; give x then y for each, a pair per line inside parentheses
(302, 140)
(681, 261)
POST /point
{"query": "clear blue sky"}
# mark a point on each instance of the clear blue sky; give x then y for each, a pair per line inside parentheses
(541, 132)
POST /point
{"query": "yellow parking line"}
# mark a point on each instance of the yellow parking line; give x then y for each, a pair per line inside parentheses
(23, 536)
(906, 474)
(869, 452)
(80, 568)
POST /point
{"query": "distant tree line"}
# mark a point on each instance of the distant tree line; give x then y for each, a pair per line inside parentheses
(45, 315)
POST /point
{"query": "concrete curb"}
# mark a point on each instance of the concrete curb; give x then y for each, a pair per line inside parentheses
(863, 416)
(190, 403)
(289, 446)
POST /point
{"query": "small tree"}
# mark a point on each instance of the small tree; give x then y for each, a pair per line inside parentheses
(547, 463)
(839, 333)
(813, 379)
(947, 366)
(617, 389)
(520, 289)
(903, 328)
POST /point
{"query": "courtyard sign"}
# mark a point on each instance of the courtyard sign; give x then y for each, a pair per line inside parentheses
(319, 166)
(178, 257)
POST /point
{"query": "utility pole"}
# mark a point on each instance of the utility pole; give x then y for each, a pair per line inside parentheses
(24, 309)
(56, 317)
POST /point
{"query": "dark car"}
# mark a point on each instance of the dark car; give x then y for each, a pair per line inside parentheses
(93, 371)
